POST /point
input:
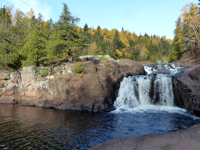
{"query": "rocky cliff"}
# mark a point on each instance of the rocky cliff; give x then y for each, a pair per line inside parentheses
(187, 88)
(94, 89)
(187, 83)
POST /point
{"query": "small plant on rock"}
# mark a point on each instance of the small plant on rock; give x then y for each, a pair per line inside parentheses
(51, 70)
(42, 72)
(103, 58)
(78, 68)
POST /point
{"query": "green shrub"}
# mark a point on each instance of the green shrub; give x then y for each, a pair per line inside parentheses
(78, 68)
(42, 72)
(103, 58)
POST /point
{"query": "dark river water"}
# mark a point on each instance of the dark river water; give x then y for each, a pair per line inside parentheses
(39, 128)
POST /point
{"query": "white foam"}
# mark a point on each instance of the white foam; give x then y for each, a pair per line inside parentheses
(134, 93)
(126, 96)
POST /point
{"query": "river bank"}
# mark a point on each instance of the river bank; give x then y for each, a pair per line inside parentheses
(87, 85)
(94, 88)
(188, 139)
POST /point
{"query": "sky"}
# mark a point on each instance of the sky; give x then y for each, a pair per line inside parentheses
(146, 16)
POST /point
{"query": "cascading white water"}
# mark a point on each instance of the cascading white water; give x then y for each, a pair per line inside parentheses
(132, 86)
(148, 91)
(165, 90)
(144, 86)
(127, 97)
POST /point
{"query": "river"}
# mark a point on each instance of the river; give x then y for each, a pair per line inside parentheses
(138, 111)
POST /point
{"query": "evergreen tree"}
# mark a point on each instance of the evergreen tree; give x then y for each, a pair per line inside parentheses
(176, 52)
(33, 51)
(8, 50)
(65, 39)
(85, 28)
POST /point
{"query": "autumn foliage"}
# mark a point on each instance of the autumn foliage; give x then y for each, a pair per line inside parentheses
(29, 40)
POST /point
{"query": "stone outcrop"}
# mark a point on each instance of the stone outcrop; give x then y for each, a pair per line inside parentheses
(60, 87)
(187, 88)
(96, 58)
(179, 140)
(146, 62)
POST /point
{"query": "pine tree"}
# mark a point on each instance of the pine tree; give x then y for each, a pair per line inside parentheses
(33, 51)
(85, 28)
(8, 49)
(65, 39)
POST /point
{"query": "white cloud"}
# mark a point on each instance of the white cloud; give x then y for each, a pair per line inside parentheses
(36, 5)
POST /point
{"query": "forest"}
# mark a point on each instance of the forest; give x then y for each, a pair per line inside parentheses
(29, 40)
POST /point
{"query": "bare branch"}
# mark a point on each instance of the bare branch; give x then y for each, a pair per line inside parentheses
(189, 39)
(193, 30)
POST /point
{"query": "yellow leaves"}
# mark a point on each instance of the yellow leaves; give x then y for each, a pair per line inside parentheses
(79, 29)
(119, 53)
(16, 16)
(130, 36)
(91, 32)
(170, 41)
(9, 10)
(144, 52)
(93, 48)
(111, 33)
(103, 32)
(30, 13)
(123, 38)
(189, 13)
(154, 41)
(164, 37)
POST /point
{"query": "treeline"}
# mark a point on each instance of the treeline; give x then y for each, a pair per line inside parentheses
(124, 44)
(29, 40)
(186, 33)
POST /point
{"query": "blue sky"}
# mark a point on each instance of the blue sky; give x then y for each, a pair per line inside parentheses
(151, 16)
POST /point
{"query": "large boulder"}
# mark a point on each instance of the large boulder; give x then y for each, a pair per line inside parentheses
(92, 90)
(187, 88)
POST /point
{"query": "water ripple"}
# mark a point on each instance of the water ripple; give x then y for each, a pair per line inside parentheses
(37, 128)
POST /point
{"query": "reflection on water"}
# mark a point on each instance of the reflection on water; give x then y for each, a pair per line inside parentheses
(39, 128)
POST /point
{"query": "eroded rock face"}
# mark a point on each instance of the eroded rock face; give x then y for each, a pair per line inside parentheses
(187, 88)
(93, 90)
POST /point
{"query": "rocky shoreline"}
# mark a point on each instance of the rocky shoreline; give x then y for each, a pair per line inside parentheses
(188, 139)
(92, 90)
(61, 87)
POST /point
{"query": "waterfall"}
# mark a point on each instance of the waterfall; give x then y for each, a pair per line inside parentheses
(127, 96)
(136, 91)
(153, 89)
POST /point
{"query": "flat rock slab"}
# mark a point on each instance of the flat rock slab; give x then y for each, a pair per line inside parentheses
(188, 139)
